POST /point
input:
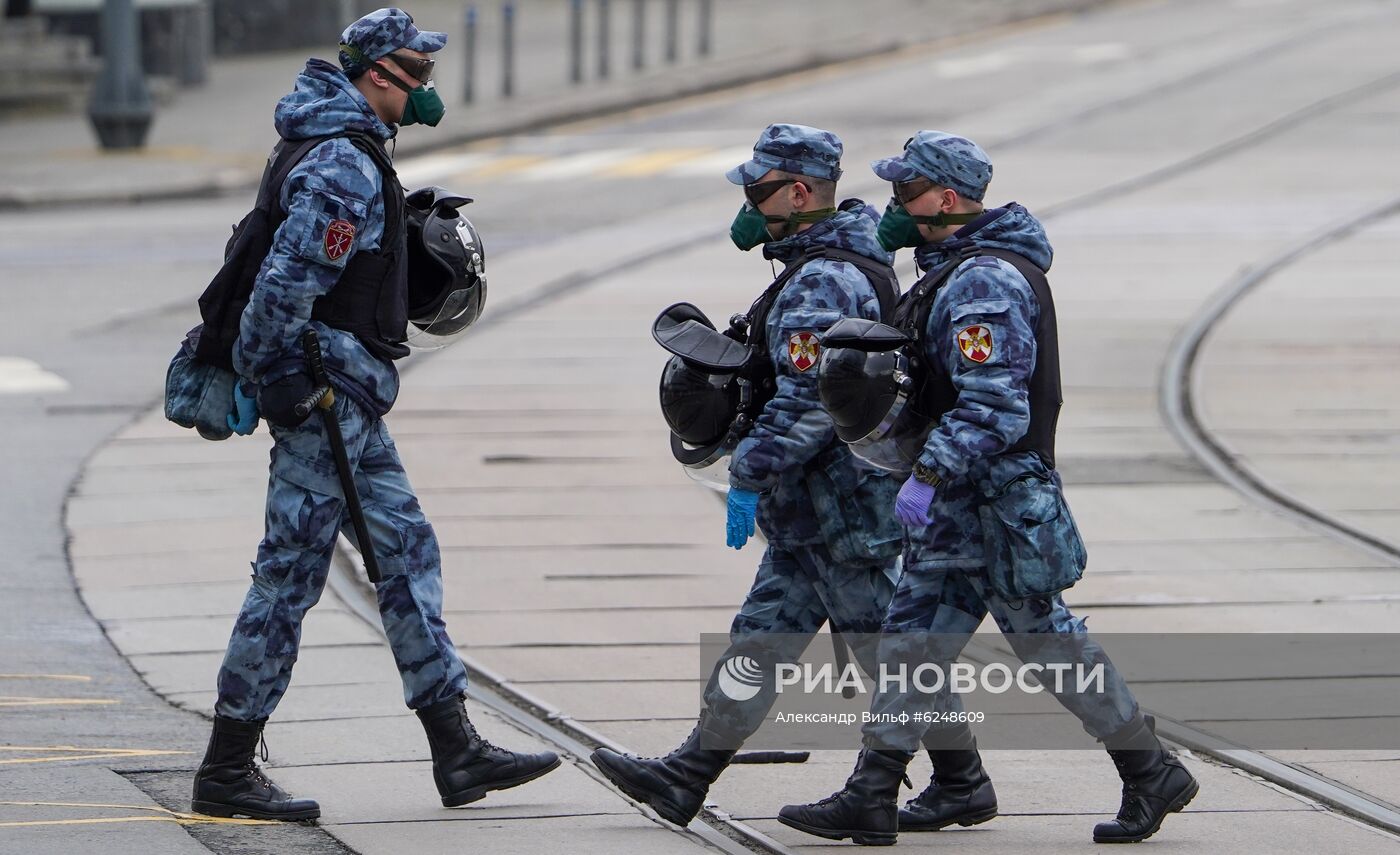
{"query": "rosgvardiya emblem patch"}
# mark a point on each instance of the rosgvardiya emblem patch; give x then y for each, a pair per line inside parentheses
(803, 350)
(975, 342)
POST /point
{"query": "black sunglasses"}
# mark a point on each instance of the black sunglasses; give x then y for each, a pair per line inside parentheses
(419, 69)
(757, 194)
(907, 191)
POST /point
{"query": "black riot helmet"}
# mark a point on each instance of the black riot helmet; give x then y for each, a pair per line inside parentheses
(446, 268)
(702, 397)
(698, 406)
(864, 383)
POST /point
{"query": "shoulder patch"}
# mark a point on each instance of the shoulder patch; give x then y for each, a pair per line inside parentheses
(803, 350)
(340, 236)
(975, 342)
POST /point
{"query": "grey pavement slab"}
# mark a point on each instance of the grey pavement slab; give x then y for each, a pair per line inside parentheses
(188, 672)
(327, 628)
(63, 805)
(617, 835)
(403, 792)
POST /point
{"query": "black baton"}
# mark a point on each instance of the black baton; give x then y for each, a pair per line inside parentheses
(324, 399)
(843, 660)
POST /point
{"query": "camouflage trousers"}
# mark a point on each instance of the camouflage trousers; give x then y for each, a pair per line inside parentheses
(798, 589)
(931, 618)
(305, 511)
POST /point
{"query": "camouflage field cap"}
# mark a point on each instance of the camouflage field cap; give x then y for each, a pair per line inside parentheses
(380, 33)
(952, 161)
(792, 148)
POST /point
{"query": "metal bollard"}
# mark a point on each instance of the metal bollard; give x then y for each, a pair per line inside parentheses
(507, 49)
(469, 57)
(576, 41)
(673, 22)
(639, 27)
(604, 32)
(707, 22)
(120, 110)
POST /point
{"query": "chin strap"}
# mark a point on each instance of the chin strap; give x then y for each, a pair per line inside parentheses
(795, 219)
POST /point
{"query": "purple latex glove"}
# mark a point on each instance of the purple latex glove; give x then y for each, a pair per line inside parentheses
(912, 504)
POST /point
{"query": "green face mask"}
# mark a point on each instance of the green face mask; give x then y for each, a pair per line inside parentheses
(899, 228)
(750, 226)
(424, 107)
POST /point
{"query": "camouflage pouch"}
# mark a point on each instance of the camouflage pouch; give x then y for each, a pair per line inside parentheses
(198, 395)
(1032, 545)
(852, 502)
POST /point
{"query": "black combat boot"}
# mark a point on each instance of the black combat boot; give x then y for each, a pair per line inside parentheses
(675, 785)
(467, 767)
(959, 791)
(1155, 783)
(229, 783)
(865, 810)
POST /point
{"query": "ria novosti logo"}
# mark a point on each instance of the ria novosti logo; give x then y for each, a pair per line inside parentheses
(741, 678)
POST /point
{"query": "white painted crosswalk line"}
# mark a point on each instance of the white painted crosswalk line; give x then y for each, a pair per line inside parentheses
(583, 165)
(20, 376)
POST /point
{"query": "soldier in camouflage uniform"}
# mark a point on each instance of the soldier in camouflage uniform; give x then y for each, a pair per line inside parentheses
(831, 554)
(970, 455)
(334, 202)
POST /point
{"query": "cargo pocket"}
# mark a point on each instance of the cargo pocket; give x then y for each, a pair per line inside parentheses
(1031, 543)
(854, 518)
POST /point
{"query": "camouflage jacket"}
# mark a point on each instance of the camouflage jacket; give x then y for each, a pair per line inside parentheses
(982, 330)
(813, 489)
(334, 208)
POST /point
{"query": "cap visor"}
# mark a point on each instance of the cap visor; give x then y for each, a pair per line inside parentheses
(895, 169)
(747, 173)
(427, 42)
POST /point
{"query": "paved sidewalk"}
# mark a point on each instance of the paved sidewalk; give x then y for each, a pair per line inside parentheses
(215, 139)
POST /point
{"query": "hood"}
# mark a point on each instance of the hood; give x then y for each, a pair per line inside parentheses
(325, 102)
(851, 228)
(1012, 228)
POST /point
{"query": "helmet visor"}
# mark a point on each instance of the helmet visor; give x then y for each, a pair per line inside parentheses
(446, 323)
(897, 441)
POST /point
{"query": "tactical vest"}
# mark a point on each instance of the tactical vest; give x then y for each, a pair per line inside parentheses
(935, 393)
(369, 300)
(759, 372)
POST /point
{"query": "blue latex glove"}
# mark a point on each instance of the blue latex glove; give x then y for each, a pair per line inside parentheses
(912, 504)
(743, 506)
(244, 418)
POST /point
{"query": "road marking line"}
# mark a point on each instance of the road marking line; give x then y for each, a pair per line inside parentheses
(421, 170)
(712, 165)
(505, 164)
(81, 678)
(653, 162)
(971, 66)
(577, 165)
(19, 376)
(22, 701)
(72, 752)
(168, 816)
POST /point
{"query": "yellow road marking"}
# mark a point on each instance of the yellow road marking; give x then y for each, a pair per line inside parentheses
(508, 163)
(166, 816)
(80, 678)
(653, 162)
(21, 701)
(71, 752)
